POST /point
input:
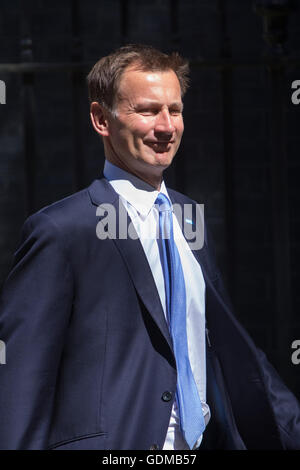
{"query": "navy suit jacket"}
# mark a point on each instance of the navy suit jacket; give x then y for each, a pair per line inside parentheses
(88, 352)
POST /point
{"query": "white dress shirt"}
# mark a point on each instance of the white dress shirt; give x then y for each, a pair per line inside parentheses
(139, 198)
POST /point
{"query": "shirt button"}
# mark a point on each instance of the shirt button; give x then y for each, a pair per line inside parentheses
(167, 396)
(154, 447)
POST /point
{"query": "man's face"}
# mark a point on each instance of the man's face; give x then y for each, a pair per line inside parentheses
(146, 132)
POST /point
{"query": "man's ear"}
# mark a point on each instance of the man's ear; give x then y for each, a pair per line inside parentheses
(98, 118)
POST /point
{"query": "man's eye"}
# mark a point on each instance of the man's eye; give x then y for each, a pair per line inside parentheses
(175, 112)
(147, 112)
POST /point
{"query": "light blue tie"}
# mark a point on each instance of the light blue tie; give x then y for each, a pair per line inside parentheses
(189, 404)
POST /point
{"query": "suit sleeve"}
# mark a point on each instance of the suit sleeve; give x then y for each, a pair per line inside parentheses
(35, 307)
(285, 406)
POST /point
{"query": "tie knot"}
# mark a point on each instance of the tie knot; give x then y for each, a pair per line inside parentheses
(163, 203)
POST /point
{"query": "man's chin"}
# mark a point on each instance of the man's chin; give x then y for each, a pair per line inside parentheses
(161, 158)
(159, 163)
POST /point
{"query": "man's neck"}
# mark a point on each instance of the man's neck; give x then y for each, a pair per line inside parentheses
(153, 179)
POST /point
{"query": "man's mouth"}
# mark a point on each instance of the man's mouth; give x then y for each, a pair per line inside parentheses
(160, 146)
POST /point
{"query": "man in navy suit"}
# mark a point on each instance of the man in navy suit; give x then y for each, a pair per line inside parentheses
(90, 359)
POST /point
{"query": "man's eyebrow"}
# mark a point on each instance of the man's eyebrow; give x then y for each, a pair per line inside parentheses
(148, 102)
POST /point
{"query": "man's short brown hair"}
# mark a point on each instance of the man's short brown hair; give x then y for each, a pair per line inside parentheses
(104, 78)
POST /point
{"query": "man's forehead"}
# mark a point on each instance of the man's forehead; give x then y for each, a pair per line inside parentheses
(133, 72)
(134, 80)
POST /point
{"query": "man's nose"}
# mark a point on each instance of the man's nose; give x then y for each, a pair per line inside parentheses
(164, 123)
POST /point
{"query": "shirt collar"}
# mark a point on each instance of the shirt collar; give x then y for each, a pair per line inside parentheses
(137, 192)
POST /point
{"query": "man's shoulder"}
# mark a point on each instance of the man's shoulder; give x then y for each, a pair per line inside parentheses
(76, 202)
(74, 210)
(64, 208)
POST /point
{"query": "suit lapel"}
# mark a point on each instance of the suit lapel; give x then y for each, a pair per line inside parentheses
(133, 255)
(132, 252)
(201, 254)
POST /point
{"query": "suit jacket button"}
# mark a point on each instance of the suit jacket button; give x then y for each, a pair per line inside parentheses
(154, 447)
(167, 396)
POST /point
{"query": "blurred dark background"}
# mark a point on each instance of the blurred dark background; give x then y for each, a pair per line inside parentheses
(240, 151)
